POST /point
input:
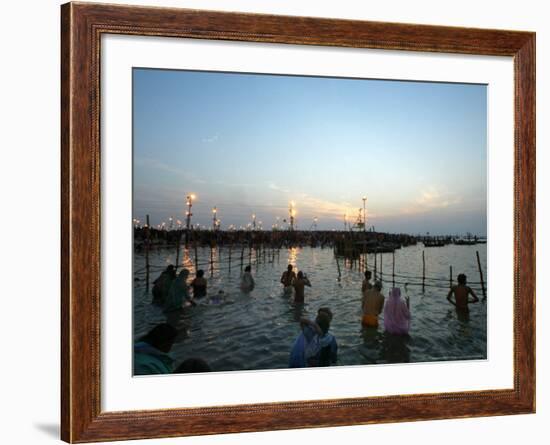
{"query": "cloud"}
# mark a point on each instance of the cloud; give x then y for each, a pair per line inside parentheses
(432, 198)
(157, 165)
(275, 187)
(211, 139)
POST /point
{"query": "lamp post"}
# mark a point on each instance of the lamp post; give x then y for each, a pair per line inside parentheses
(364, 213)
(214, 218)
(188, 214)
(292, 215)
(345, 221)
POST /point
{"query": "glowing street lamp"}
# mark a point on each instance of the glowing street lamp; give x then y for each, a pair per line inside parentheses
(214, 218)
(292, 214)
(189, 202)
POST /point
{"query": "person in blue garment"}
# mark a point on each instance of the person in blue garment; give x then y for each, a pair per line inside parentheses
(151, 352)
(179, 293)
(315, 346)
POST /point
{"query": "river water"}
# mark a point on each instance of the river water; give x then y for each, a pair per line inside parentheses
(257, 331)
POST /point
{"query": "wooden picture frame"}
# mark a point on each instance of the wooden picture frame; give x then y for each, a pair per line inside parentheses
(82, 25)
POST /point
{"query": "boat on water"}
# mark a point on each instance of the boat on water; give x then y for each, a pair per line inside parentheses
(434, 243)
(465, 242)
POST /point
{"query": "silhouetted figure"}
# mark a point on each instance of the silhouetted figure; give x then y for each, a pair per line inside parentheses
(161, 286)
(247, 281)
(287, 279)
(461, 292)
(151, 351)
(373, 303)
(299, 285)
(199, 285)
(179, 292)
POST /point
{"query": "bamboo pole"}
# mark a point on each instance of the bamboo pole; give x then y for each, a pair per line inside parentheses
(423, 271)
(481, 276)
(381, 276)
(178, 251)
(211, 260)
(393, 268)
(147, 248)
(338, 266)
(196, 256)
(375, 264)
(451, 277)
(242, 257)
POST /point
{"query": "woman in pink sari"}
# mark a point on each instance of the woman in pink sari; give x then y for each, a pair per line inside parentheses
(397, 316)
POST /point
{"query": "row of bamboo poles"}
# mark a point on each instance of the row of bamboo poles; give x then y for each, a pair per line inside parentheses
(376, 268)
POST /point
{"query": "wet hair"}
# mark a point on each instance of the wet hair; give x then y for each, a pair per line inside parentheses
(193, 365)
(200, 273)
(368, 274)
(248, 268)
(289, 268)
(162, 337)
(461, 278)
(300, 274)
(171, 270)
(323, 320)
(325, 310)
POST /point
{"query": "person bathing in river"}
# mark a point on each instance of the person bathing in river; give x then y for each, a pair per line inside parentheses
(461, 292)
(287, 279)
(247, 281)
(178, 293)
(315, 346)
(397, 314)
(161, 286)
(366, 282)
(328, 348)
(199, 285)
(299, 284)
(373, 303)
(151, 352)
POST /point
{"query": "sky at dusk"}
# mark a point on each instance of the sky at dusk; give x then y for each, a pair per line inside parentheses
(251, 143)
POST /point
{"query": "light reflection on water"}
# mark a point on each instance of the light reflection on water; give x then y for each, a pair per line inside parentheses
(257, 331)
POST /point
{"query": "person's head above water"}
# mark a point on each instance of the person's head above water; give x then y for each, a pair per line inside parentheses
(378, 285)
(325, 310)
(300, 274)
(200, 273)
(248, 268)
(289, 268)
(368, 274)
(461, 279)
(161, 337)
(184, 273)
(323, 321)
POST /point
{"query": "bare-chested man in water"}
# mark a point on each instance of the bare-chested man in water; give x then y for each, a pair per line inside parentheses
(461, 292)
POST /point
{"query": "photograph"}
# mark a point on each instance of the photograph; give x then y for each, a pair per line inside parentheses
(291, 221)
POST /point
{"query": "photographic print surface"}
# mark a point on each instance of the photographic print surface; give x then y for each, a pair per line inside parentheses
(295, 221)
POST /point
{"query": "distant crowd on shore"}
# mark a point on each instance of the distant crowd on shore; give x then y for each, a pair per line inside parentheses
(314, 346)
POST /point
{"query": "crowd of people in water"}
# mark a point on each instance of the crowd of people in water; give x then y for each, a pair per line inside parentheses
(314, 346)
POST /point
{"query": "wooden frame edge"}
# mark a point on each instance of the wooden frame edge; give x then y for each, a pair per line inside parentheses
(81, 27)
